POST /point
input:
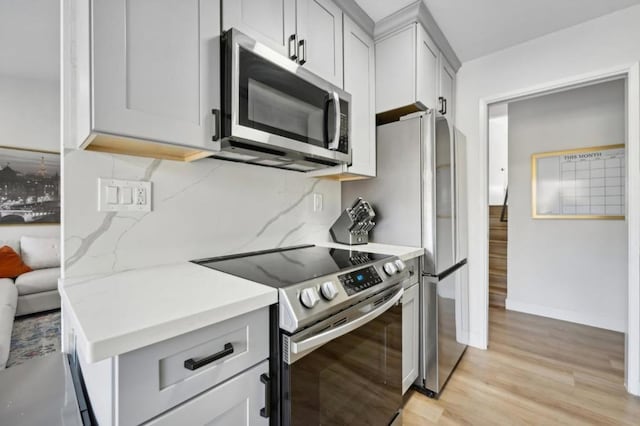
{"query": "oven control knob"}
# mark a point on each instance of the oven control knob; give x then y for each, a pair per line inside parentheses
(328, 290)
(390, 268)
(400, 265)
(309, 297)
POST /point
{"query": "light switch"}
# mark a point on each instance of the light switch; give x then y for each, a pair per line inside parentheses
(126, 195)
(112, 194)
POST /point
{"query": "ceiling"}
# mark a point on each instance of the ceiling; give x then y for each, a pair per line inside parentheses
(29, 29)
(476, 28)
(30, 38)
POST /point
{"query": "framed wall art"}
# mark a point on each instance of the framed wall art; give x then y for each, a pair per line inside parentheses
(29, 186)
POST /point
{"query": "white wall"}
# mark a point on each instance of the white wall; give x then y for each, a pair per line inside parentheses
(574, 270)
(201, 209)
(29, 118)
(601, 44)
(498, 152)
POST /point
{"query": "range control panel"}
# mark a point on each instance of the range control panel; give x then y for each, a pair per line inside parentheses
(360, 280)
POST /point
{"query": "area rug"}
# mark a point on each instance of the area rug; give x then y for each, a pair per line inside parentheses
(34, 336)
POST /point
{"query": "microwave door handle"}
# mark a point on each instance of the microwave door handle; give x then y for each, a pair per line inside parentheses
(335, 142)
(324, 337)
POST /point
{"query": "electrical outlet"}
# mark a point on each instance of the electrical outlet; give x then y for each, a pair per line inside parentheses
(317, 202)
(141, 196)
(116, 195)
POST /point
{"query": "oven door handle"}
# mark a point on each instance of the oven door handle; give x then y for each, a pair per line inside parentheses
(324, 337)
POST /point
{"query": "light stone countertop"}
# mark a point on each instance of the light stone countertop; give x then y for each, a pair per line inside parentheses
(121, 312)
(125, 311)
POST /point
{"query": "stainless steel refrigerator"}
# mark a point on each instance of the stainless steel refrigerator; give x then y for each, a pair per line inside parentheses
(419, 196)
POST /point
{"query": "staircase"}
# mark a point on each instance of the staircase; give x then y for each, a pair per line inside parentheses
(497, 256)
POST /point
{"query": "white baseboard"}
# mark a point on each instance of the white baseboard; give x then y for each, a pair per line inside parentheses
(566, 315)
(634, 390)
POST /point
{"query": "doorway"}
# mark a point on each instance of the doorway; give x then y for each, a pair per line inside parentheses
(479, 293)
(547, 251)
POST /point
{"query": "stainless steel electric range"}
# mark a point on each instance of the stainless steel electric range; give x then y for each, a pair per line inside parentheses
(336, 333)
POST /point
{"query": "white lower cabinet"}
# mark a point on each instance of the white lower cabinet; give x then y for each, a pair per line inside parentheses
(238, 401)
(410, 338)
(156, 380)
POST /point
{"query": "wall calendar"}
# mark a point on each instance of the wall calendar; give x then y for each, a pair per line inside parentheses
(586, 183)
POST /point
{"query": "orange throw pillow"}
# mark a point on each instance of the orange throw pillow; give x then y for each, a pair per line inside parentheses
(11, 265)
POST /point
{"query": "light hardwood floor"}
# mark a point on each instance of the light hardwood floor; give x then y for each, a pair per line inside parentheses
(537, 371)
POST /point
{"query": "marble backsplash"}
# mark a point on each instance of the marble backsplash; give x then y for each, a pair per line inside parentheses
(201, 209)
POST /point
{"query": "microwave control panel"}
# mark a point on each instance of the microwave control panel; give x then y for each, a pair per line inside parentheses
(362, 279)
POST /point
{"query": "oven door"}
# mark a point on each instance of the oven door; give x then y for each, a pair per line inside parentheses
(346, 370)
(272, 103)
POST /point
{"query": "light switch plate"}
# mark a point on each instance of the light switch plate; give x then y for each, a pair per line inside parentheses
(317, 202)
(130, 195)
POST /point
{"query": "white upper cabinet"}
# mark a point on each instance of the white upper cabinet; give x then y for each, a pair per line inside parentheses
(359, 81)
(308, 32)
(427, 69)
(151, 74)
(395, 69)
(446, 91)
(406, 70)
(272, 22)
(319, 29)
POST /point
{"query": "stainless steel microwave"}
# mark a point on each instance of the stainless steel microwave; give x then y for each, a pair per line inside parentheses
(278, 114)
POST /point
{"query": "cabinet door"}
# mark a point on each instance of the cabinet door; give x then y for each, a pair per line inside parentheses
(235, 402)
(156, 70)
(395, 69)
(427, 69)
(272, 22)
(319, 25)
(410, 327)
(447, 89)
(359, 81)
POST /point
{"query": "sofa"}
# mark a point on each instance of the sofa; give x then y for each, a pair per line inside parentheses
(8, 303)
(38, 289)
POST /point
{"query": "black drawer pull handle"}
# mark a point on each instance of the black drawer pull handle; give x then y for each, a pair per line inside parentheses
(266, 411)
(192, 364)
(216, 124)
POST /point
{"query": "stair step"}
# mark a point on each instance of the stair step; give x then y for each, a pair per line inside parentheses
(498, 290)
(498, 248)
(497, 281)
(498, 234)
(497, 300)
(496, 211)
(498, 265)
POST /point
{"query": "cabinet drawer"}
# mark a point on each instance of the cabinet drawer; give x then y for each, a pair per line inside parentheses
(236, 402)
(154, 379)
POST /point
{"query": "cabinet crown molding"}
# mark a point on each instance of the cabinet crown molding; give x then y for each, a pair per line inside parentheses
(417, 12)
(359, 16)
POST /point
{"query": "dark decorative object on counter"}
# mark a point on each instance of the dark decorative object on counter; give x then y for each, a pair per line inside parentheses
(29, 187)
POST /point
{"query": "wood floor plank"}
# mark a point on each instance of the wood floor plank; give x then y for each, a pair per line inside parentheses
(537, 371)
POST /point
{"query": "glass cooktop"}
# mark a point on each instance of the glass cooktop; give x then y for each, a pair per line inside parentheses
(287, 266)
